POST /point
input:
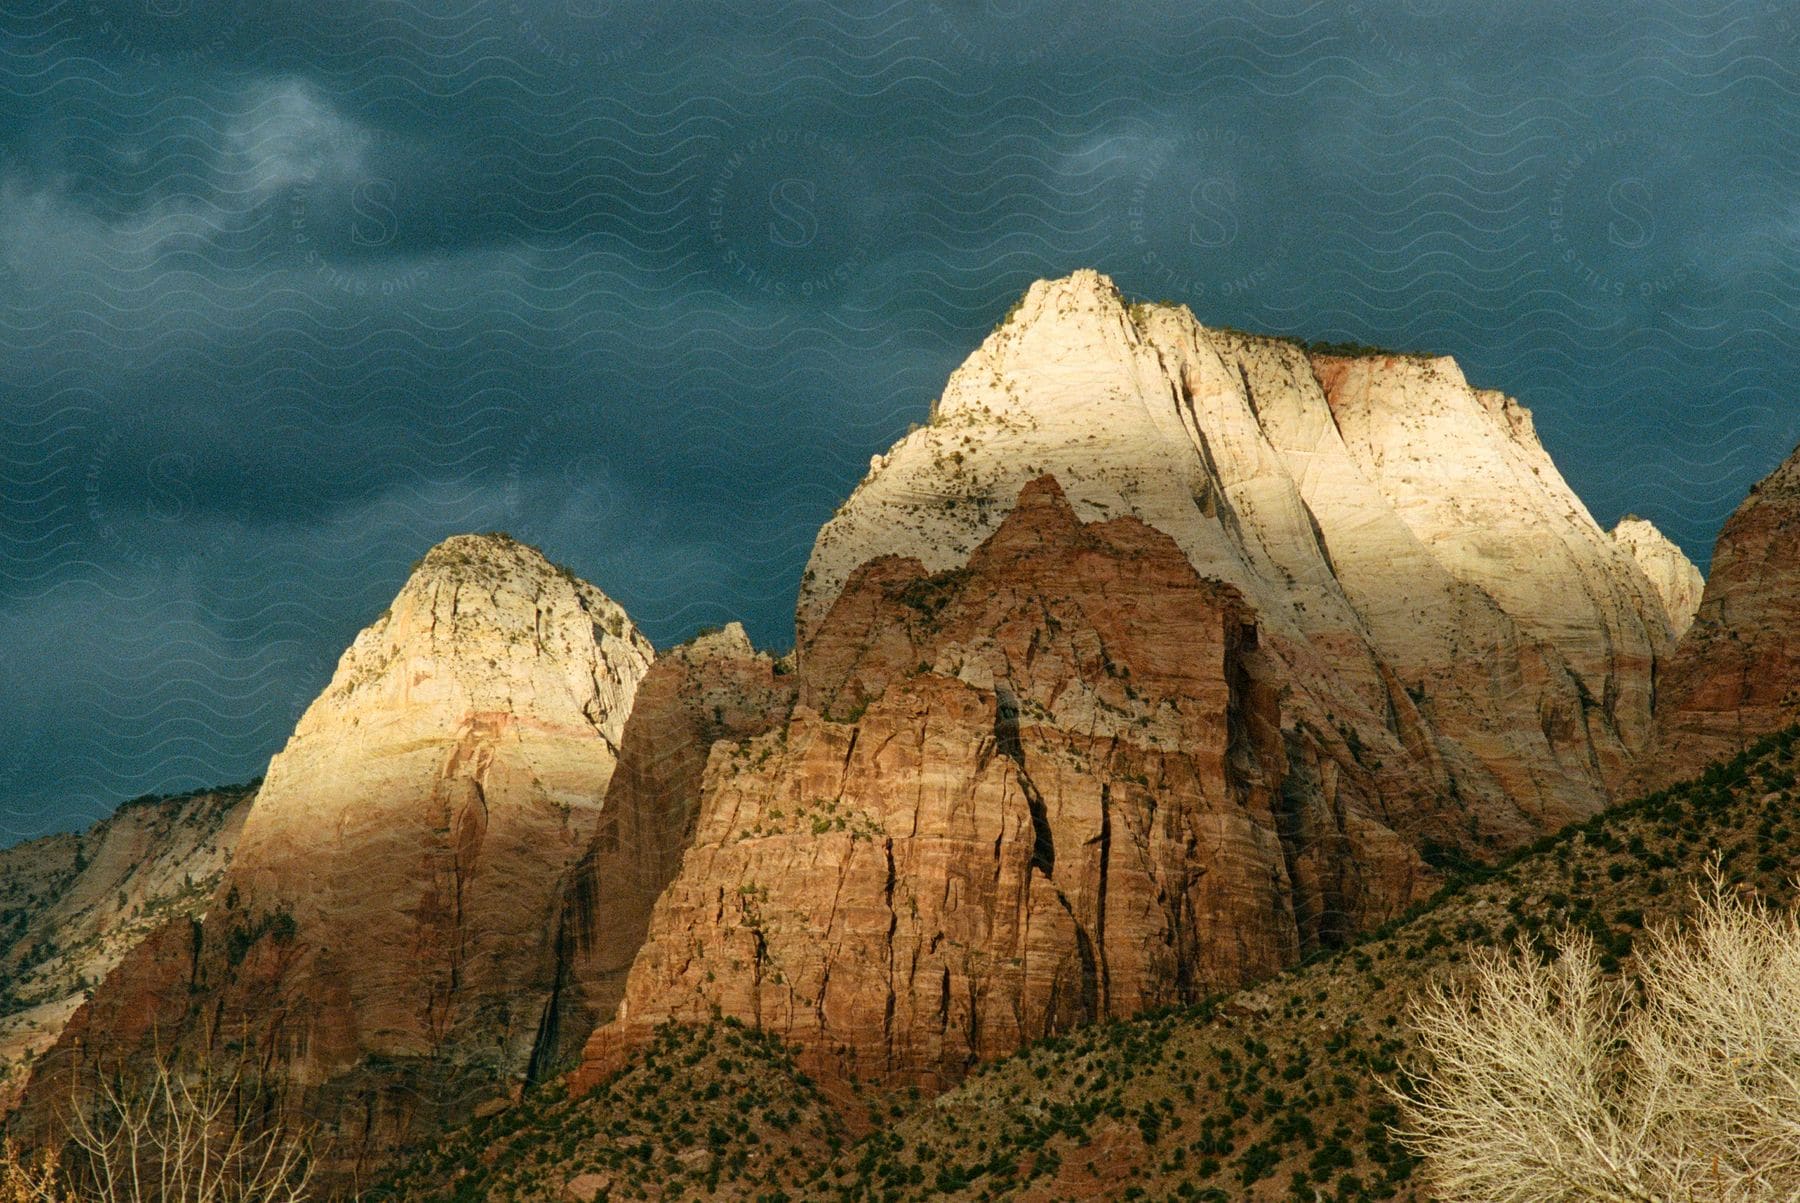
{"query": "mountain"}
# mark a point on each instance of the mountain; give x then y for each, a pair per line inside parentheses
(714, 687)
(384, 934)
(1432, 586)
(1272, 1093)
(1677, 581)
(73, 905)
(1163, 659)
(997, 811)
(1736, 674)
(1040, 790)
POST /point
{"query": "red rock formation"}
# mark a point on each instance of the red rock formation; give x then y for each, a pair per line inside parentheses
(1039, 790)
(78, 903)
(714, 687)
(383, 940)
(1736, 673)
(144, 1004)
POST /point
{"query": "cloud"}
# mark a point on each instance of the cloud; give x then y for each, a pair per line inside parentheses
(288, 292)
(259, 178)
(287, 135)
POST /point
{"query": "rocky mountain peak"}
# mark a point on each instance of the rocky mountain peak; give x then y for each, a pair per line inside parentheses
(1084, 294)
(1677, 581)
(487, 622)
(1391, 525)
(495, 548)
(387, 927)
(730, 640)
(490, 561)
(1042, 514)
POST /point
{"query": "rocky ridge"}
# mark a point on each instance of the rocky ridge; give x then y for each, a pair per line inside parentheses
(72, 906)
(1677, 581)
(384, 935)
(1272, 1093)
(1432, 585)
(714, 687)
(1736, 674)
(1043, 789)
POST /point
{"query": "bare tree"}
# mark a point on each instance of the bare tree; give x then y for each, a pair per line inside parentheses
(174, 1136)
(24, 1179)
(1552, 1081)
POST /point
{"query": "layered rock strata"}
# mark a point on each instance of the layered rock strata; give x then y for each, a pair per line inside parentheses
(383, 940)
(1736, 674)
(72, 906)
(1437, 594)
(1041, 789)
(715, 687)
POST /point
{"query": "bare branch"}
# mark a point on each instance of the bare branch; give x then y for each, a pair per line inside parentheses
(1546, 1081)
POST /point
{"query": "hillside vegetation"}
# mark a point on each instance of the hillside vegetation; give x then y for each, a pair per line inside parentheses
(1273, 1093)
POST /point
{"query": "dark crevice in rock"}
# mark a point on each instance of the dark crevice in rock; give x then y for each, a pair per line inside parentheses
(887, 1022)
(1090, 967)
(1006, 738)
(544, 1053)
(1100, 898)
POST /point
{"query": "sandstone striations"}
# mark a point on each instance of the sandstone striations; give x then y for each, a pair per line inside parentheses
(1736, 674)
(1161, 658)
(1044, 788)
(1677, 581)
(384, 936)
(1440, 600)
(715, 687)
(72, 907)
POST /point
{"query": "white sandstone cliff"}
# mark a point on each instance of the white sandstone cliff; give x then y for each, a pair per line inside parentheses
(1677, 581)
(416, 826)
(1441, 598)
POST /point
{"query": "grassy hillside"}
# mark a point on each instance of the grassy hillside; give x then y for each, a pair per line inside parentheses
(1272, 1093)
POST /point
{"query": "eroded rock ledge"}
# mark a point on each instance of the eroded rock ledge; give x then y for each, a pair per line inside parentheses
(1042, 789)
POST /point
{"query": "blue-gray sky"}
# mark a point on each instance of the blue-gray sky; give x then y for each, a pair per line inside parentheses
(291, 290)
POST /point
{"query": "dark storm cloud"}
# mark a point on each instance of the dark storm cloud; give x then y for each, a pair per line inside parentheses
(291, 291)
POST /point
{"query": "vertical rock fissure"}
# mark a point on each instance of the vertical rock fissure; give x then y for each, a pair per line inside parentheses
(887, 1018)
(759, 959)
(1105, 984)
(1006, 738)
(466, 836)
(543, 1045)
(944, 1002)
(1090, 968)
(1287, 790)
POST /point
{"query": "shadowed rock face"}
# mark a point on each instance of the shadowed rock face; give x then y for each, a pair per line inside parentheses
(1433, 588)
(716, 687)
(1736, 673)
(1042, 789)
(384, 936)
